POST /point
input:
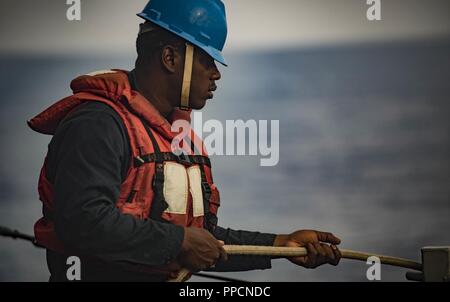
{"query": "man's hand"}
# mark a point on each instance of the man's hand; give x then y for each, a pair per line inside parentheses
(200, 250)
(319, 251)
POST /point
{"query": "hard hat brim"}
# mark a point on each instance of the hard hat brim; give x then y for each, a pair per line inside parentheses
(215, 54)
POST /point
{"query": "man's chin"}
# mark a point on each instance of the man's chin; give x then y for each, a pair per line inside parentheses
(199, 105)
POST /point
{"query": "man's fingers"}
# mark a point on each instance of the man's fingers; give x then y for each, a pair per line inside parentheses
(173, 275)
(337, 254)
(223, 255)
(321, 251)
(329, 251)
(311, 250)
(328, 237)
(174, 266)
(312, 255)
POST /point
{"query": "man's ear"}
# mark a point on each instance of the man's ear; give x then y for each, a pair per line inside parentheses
(170, 58)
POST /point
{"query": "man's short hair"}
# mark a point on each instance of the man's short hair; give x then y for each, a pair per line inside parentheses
(150, 41)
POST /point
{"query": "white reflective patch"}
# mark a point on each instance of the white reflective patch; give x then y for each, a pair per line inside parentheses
(175, 187)
(195, 186)
(95, 73)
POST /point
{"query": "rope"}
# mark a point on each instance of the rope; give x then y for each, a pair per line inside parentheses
(300, 251)
(14, 234)
(273, 251)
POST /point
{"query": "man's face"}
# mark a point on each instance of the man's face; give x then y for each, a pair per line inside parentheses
(204, 77)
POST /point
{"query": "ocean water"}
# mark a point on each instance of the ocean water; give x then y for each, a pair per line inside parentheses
(364, 150)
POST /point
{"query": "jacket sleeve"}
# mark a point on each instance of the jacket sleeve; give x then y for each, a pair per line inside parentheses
(85, 160)
(243, 263)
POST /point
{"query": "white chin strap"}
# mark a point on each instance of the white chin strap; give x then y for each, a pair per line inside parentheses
(186, 88)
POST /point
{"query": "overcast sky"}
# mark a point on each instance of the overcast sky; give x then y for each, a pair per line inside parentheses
(109, 26)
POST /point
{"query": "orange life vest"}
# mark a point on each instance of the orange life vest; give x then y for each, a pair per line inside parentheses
(159, 184)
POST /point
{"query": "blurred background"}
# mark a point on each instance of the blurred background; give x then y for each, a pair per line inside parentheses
(363, 109)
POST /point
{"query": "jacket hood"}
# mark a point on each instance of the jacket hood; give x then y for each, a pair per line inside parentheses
(113, 85)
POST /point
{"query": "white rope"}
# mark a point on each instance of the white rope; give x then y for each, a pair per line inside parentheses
(287, 252)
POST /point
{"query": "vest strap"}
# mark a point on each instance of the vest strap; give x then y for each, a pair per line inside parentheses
(159, 204)
(160, 157)
(187, 160)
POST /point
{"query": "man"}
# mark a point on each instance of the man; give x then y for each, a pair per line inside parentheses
(115, 192)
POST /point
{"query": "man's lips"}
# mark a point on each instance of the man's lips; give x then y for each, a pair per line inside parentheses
(211, 91)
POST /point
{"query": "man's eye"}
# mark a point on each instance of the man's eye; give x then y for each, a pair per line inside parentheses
(211, 62)
(207, 60)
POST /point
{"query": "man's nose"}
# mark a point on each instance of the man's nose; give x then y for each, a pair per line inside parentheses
(216, 75)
